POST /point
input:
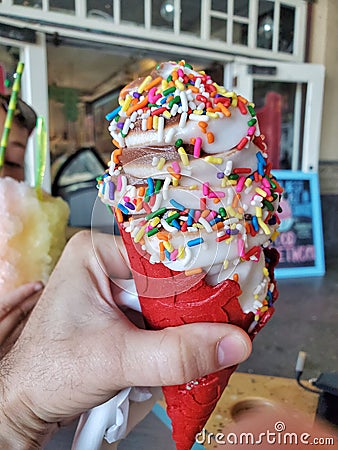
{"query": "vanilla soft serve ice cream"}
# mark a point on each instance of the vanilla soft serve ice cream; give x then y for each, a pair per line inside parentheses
(190, 179)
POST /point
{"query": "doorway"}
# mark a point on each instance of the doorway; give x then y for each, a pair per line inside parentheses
(289, 100)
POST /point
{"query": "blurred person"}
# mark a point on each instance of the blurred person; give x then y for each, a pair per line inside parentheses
(15, 306)
(24, 121)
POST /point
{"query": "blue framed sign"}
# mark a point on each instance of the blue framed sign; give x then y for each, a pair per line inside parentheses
(300, 242)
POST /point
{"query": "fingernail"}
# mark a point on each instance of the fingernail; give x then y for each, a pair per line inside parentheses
(38, 286)
(231, 350)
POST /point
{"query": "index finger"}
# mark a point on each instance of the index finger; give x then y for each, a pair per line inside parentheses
(13, 298)
(17, 315)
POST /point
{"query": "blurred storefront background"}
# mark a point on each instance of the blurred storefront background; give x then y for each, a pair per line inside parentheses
(78, 54)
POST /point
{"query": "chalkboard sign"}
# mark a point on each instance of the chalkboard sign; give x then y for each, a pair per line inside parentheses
(300, 242)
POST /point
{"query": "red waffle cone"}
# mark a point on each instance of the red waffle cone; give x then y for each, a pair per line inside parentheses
(189, 405)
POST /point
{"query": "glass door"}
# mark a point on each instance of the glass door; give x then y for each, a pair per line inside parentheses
(288, 100)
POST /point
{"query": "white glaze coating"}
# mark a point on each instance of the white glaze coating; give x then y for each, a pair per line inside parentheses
(227, 133)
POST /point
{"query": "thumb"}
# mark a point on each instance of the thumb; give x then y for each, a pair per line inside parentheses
(177, 355)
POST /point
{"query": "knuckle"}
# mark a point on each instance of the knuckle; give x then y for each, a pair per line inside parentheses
(4, 310)
(123, 366)
(23, 314)
(80, 245)
(80, 240)
(182, 365)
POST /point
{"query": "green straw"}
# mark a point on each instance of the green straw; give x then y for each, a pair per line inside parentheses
(10, 112)
(40, 154)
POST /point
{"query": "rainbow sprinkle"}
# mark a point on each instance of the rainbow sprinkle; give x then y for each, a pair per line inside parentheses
(221, 211)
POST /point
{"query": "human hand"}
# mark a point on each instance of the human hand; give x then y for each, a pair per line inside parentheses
(78, 349)
(14, 309)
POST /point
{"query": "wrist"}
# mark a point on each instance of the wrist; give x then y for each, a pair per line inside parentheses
(20, 428)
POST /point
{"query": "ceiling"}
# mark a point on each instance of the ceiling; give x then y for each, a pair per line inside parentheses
(93, 72)
(96, 69)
